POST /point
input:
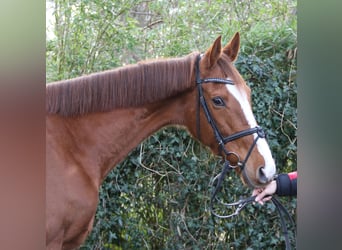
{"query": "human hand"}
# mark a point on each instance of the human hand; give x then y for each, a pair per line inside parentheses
(265, 194)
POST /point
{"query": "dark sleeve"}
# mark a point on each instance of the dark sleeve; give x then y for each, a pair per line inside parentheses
(287, 184)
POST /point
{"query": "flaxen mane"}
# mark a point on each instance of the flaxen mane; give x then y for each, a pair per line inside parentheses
(128, 86)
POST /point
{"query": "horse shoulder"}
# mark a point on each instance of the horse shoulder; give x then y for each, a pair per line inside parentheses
(71, 196)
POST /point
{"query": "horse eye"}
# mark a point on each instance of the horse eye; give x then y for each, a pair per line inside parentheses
(218, 101)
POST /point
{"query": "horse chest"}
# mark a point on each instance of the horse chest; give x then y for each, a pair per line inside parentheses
(72, 203)
(80, 208)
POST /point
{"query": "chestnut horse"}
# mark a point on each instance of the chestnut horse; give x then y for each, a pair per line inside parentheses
(94, 121)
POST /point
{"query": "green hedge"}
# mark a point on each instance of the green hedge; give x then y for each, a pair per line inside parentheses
(158, 197)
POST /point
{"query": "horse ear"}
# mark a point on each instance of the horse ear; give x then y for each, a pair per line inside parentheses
(213, 53)
(233, 47)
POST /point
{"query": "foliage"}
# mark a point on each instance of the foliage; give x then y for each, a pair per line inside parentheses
(158, 197)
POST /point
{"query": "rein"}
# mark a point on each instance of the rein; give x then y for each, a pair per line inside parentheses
(222, 141)
(242, 203)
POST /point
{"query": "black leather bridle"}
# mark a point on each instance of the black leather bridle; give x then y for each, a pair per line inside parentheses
(222, 141)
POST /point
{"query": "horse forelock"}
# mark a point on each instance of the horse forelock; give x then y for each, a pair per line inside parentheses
(128, 86)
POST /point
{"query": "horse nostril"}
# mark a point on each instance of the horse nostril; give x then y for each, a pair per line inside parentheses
(262, 176)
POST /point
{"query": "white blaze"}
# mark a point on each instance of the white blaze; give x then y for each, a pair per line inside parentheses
(262, 146)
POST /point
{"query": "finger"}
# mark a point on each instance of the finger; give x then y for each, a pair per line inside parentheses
(257, 199)
(260, 196)
(267, 198)
(260, 202)
(256, 191)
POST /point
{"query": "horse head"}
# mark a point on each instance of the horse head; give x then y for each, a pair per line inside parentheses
(224, 118)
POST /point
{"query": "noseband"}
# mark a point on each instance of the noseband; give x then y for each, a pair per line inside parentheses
(222, 141)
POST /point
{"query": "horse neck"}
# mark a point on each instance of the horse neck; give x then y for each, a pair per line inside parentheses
(105, 139)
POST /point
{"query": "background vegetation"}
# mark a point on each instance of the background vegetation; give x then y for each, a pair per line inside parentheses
(158, 197)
